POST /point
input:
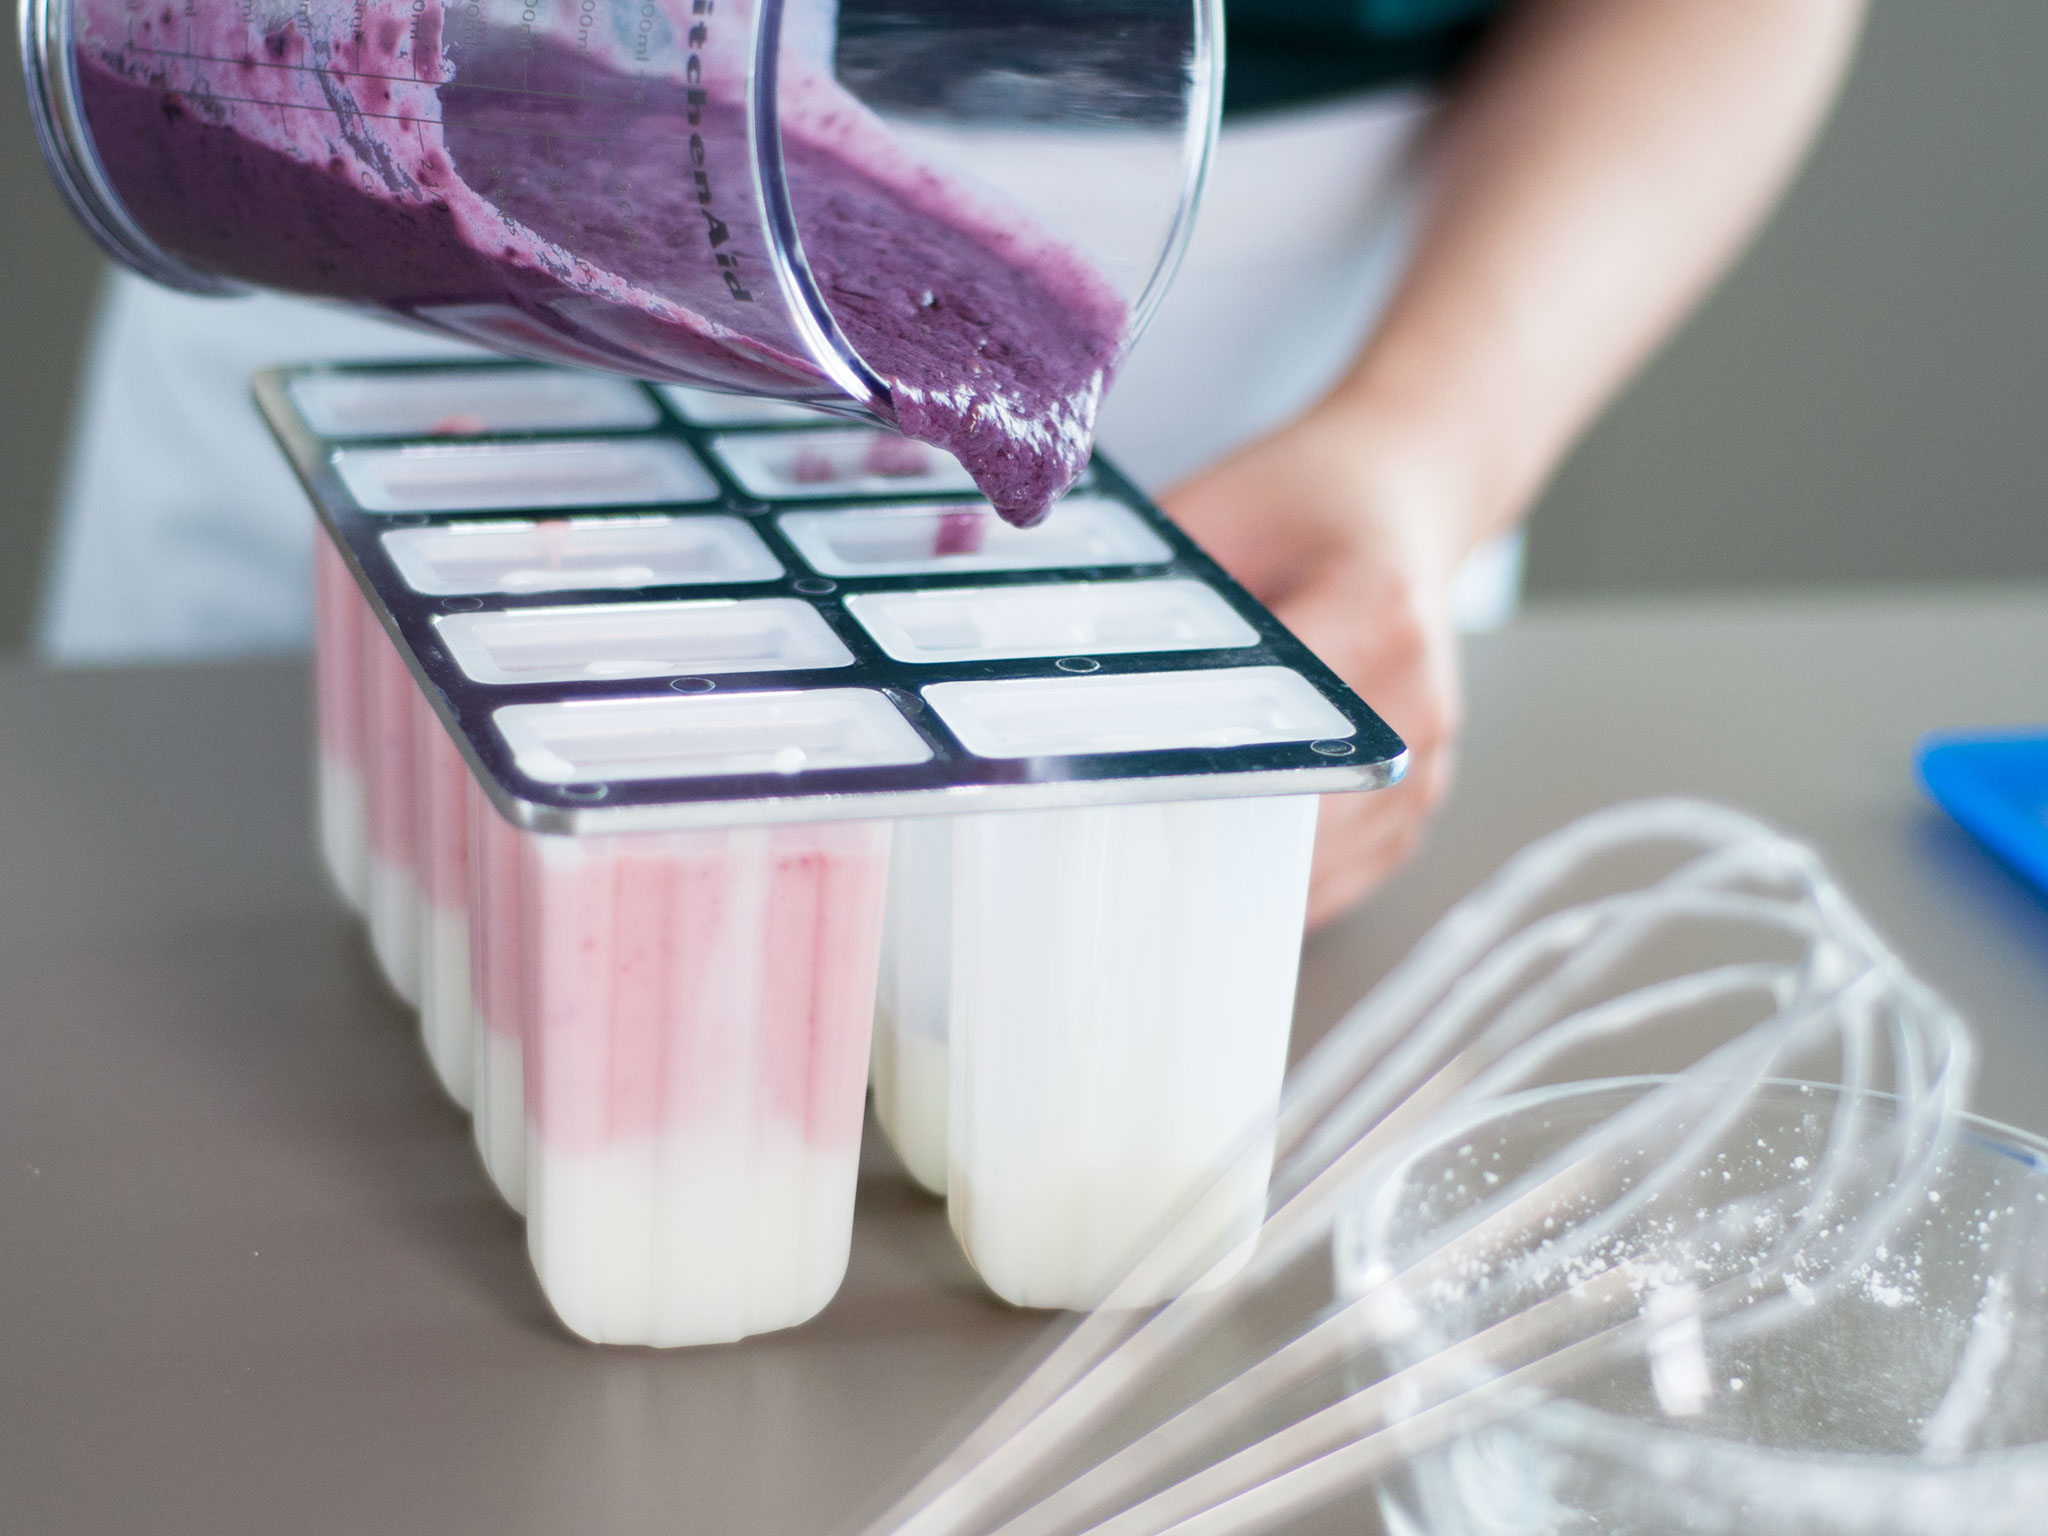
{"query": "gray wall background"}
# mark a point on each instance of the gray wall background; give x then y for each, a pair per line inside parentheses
(1865, 401)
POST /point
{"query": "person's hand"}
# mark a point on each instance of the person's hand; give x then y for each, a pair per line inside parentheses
(1353, 544)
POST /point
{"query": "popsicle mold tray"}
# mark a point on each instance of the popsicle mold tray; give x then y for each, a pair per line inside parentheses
(624, 695)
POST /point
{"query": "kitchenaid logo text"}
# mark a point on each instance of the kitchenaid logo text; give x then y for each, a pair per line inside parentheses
(716, 233)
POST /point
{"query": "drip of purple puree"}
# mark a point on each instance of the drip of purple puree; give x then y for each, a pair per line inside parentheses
(565, 194)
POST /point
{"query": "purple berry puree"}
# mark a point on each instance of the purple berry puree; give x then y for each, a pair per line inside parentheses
(517, 190)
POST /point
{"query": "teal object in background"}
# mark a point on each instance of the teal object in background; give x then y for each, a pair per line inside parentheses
(1346, 21)
(1392, 16)
(1996, 788)
(1285, 53)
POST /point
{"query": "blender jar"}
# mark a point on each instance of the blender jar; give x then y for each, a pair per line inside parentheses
(948, 216)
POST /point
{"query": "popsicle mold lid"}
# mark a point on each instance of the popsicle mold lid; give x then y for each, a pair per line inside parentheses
(669, 650)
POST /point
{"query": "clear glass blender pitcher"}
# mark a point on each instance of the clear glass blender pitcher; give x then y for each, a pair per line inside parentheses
(951, 215)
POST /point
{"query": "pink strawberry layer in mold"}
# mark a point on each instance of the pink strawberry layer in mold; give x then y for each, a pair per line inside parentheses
(497, 982)
(339, 612)
(685, 980)
(392, 887)
(441, 823)
(440, 820)
(496, 973)
(390, 698)
(340, 616)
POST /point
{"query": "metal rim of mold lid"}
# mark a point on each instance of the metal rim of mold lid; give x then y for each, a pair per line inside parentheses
(691, 684)
(1333, 748)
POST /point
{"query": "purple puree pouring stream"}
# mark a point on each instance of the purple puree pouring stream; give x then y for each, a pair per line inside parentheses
(516, 188)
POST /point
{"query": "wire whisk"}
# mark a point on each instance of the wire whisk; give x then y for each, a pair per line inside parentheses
(1403, 1290)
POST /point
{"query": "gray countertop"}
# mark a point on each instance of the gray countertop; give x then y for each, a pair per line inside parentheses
(252, 1279)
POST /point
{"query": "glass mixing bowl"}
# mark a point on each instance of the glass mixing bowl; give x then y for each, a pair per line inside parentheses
(1905, 1396)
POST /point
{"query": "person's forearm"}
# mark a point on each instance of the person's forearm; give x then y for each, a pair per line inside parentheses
(1594, 172)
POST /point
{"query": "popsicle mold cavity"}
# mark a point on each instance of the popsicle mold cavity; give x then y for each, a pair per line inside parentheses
(1121, 987)
(1135, 712)
(579, 554)
(1081, 532)
(713, 735)
(714, 408)
(468, 402)
(1107, 618)
(499, 997)
(913, 999)
(587, 194)
(695, 1074)
(392, 886)
(523, 476)
(838, 461)
(341, 618)
(442, 819)
(557, 645)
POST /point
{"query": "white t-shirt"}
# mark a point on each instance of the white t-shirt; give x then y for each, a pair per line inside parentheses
(182, 534)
